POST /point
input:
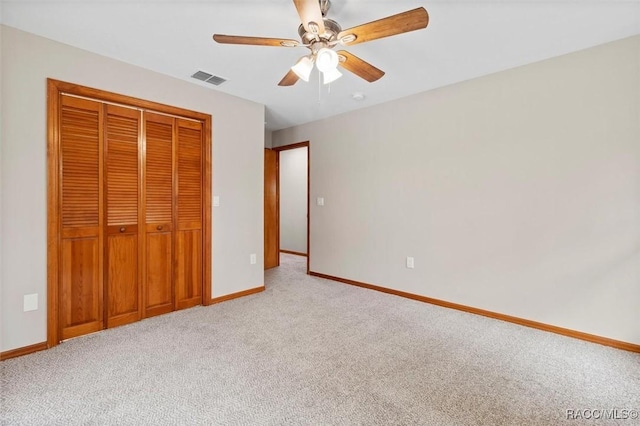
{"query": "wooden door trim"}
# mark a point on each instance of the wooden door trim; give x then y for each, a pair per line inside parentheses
(206, 206)
(292, 146)
(271, 223)
(55, 89)
(127, 101)
(286, 148)
(53, 212)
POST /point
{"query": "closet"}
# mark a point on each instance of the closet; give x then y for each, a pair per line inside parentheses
(129, 226)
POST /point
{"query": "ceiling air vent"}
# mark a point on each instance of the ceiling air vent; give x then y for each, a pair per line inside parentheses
(208, 78)
(216, 80)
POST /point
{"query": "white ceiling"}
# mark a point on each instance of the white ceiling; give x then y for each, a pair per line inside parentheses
(464, 40)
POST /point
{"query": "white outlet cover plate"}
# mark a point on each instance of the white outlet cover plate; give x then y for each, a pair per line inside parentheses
(216, 201)
(30, 302)
(410, 263)
(320, 201)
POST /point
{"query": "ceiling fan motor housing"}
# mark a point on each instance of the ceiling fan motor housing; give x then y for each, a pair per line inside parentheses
(331, 31)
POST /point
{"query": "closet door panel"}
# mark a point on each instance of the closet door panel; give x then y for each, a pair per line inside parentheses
(80, 268)
(122, 145)
(158, 196)
(189, 166)
(81, 306)
(189, 268)
(122, 272)
(159, 289)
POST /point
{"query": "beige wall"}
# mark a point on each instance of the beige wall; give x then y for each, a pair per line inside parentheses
(268, 138)
(238, 143)
(518, 192)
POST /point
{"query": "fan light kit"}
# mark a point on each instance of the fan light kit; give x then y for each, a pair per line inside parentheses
(321, 35)
(304, 67)
(327, 64)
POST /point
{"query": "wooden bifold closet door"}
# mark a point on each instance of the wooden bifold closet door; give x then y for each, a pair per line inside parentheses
(121, 182)
(130, 215)
(81, 204)
(189, 214)
(158, 230)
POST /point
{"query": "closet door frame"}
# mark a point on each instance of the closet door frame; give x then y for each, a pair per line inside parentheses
(55, 90)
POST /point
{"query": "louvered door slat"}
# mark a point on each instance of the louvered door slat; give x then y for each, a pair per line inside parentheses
(122, 165)
(158, 163)
(189, 169)
(79, 140)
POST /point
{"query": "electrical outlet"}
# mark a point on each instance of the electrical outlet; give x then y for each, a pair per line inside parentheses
(320, 201)
(30, 302)
(253, 259)
(410, 263)
(216, 201)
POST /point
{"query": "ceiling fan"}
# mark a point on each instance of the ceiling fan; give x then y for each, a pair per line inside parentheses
(321, 35)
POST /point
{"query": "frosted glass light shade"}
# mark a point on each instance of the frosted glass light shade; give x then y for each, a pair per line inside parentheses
(326, 59)
(303, 68)
(331, 75)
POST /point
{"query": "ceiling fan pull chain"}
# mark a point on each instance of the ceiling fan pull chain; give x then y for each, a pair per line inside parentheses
(319, 87)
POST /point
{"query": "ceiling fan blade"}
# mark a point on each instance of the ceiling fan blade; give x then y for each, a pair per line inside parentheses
(359, 67)
(404, 22)
(255, 41)
(310, 13)
(290, 79)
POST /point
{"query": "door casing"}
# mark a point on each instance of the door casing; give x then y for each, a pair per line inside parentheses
(277, 185)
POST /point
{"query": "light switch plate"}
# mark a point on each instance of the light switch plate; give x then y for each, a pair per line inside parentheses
(216, 201)
(320, 201)
(30, 302)
(253, 258)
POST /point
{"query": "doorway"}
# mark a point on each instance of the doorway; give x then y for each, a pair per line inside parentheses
(286, 203)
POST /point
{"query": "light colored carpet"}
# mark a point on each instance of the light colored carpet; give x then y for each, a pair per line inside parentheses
(315, 352)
